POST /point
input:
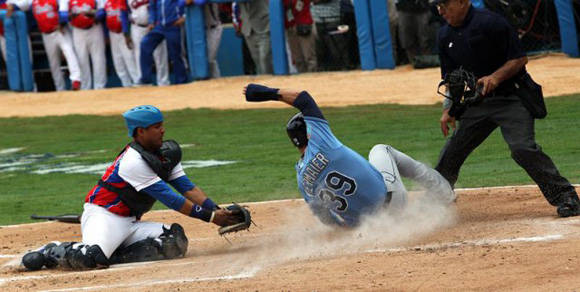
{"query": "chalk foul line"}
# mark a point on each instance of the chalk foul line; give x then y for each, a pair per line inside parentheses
(242, 275)
(478, 242)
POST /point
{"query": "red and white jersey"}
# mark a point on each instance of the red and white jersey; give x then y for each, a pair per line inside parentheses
(128, 168)
(76, 10)
(2, 6)
(113, 9)
(297, 12)
(46, 14)
(139, 12)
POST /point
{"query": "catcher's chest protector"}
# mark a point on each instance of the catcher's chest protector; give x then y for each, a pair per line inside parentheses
(162, 163)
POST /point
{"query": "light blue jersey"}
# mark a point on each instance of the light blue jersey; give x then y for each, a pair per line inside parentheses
(338, 184)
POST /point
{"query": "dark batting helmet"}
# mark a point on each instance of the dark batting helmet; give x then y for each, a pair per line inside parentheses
(296, 129)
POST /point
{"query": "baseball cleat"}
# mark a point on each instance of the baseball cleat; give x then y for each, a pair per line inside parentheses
(570, 207)
(76, 85)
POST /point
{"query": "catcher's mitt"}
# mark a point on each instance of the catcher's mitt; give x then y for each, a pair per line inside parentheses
(242, 216)
(463, 90)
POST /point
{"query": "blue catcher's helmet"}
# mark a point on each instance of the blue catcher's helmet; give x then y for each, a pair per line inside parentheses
(296, 129)
(142, 116)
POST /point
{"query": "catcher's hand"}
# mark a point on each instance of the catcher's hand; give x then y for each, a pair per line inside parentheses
(233, 218)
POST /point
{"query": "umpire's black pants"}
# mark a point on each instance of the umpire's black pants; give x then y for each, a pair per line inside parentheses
(517, 128)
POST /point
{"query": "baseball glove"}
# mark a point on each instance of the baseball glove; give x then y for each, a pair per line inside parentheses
(463, 91)
(242, 217)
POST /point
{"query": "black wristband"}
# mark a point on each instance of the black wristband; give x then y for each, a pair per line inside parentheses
(257, 93)
(199, 212)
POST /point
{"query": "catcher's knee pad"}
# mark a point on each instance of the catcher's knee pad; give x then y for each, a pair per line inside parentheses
(173, 241)
(81, 257)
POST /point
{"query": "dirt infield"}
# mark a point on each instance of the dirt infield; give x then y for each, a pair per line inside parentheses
(490, 239)
(558, 75)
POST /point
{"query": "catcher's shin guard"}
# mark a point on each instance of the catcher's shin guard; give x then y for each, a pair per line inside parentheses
(172, 243)
(39, 258)
(81, 257)
(69, 255)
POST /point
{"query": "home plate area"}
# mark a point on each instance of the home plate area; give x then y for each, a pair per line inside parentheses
(503, 238)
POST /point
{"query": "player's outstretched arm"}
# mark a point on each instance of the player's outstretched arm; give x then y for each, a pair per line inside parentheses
(298, 99)
(260, 93)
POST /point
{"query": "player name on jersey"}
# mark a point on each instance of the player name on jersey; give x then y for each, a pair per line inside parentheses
(312, 171)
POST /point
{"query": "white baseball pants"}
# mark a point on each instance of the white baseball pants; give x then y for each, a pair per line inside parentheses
(392, 163)
(110, 231)
(55, 43)
(89, 45)
(213, 38)
(159, 55)
(123, 60)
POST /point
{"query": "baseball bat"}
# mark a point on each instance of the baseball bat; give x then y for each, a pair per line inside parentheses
(66, 218)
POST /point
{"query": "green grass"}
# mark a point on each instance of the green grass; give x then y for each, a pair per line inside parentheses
(257, 140)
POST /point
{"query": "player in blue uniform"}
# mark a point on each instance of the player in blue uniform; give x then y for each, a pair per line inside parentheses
(338, 184)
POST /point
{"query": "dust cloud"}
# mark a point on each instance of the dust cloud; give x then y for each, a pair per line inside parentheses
(303, 237)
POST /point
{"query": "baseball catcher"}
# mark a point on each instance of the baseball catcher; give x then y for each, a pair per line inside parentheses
(111, 226)
(338, 184)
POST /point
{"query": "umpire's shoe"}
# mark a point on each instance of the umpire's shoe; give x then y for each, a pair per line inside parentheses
(570, 207)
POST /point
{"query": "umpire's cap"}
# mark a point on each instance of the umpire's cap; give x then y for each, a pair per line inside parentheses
(296, 129)
(142, 116)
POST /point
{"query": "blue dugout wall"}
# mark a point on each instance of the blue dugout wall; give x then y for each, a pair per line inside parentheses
(375, 44)
(18, 65)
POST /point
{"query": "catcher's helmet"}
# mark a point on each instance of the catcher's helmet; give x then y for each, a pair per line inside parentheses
(142, 116)
(296, 129)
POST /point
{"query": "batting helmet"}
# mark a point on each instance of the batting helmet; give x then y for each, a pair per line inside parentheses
(296, 129)
(142, 116)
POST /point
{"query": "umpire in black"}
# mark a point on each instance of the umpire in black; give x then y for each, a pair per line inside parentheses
(484, 43)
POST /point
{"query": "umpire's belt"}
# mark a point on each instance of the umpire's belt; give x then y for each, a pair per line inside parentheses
(504, 89)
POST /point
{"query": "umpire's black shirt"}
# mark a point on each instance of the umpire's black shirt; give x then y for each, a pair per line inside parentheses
(482, 44)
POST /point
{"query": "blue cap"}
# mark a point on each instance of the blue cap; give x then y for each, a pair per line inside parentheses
(142, 116)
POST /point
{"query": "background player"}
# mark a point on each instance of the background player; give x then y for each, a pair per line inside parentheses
(113, 208)
(139, 16)
(2, 38)
(213, 34)
(55, 37)
(338, 184)
(165, 21)
(117, 21)
(89, 41)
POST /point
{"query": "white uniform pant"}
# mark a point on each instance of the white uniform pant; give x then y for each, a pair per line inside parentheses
(123, 60)
(392, 163)
(3, 47)
(159, 55)
(213, 38)
(55, 43)
(89, 45)
(110, 231)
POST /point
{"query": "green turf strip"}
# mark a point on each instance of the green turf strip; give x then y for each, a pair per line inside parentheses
(257, 140)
